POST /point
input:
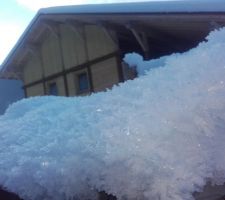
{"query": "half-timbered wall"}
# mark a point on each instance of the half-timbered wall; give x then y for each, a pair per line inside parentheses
(51, 55)
(107, 70)
(98, 42)
(32, 70)
(73, 47)
(36, 90)
(67, 51)
(72, 82)
(60, 85)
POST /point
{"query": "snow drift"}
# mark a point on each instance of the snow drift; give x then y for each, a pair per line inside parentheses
(160, 136)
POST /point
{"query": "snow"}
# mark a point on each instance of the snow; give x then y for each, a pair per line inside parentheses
(159, 136)
(165, 6)
(137, 62)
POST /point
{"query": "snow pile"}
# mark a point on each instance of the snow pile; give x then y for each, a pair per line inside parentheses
(159, 136)
(136, 61)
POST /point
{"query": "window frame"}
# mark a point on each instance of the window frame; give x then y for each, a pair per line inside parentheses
(56, 87)
(80, 91)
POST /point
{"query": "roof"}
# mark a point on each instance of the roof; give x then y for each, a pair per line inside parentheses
(142, 7)
(95, 11)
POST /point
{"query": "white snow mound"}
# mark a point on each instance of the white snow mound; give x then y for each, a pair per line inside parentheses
(160, 136)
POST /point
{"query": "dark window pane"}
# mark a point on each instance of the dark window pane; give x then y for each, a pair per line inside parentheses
(53, 89)
(83, 82)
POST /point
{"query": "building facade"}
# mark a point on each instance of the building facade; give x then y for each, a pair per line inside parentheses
(68, 62)
(72, 51)
(77, 50)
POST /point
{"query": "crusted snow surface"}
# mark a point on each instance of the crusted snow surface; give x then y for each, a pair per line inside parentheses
(137, 62)
(160, 136)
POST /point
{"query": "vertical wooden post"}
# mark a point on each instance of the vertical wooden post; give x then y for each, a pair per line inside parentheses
(55, 29)
(36, 51)
(141, 39)
(25, 91)
(42, 70)
(87, 57)
(119, 68)
(79, 28)
(90, 78)
(62, 60)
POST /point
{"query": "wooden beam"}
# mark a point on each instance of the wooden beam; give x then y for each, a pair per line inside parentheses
(73, 69)
(62, 62)
(39, 54)
(159, 35)
(88, 64)
(76, 26)
(90, 78)
(23, 58)
(35, 50)
(145, 42)
(112, 34)
(25, 92)
(52, 27)
(141, 39)
(119, 68)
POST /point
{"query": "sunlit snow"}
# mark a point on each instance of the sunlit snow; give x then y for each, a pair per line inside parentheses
(159, 136)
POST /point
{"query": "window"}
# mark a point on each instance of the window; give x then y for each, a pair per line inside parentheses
(83, 85)
(53, 90)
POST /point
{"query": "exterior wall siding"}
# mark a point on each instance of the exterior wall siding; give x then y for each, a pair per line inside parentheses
(71, 84)
(36, 90)
(32, 70)
(73, 47)
(98, 42)
(106, 69)
(70, 49)
(51, 55)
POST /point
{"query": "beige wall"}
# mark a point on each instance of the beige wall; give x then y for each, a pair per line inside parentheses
(104, 74)
(78, 48)
(98, 42)
(32, 70)
(70, 50)
(71, 84)
(51, 55)
(36, 90)
(73, 47)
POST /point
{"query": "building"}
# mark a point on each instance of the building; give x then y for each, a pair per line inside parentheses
(77, 50)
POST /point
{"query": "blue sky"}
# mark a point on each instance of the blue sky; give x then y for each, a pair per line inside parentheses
(13, 20)
(15, 15)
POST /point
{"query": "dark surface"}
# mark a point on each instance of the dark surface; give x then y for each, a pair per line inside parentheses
(4, 195)
(104, 196)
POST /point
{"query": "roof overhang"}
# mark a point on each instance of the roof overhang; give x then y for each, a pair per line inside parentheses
(175, 21)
